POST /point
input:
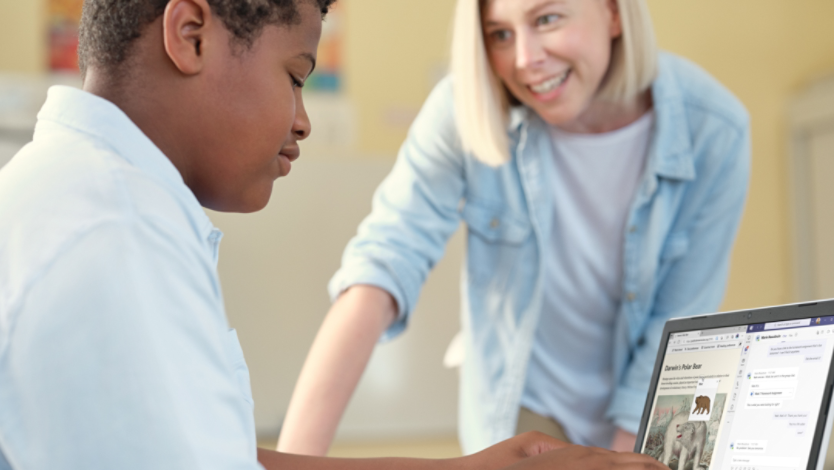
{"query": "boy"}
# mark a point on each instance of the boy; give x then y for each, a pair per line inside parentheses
(114, 347)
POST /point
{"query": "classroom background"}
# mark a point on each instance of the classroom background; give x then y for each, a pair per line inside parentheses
(379, 60)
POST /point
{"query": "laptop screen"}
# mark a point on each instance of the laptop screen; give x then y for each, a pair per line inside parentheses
(741, 397)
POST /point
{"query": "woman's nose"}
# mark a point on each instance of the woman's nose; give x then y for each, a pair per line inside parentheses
(529, 51)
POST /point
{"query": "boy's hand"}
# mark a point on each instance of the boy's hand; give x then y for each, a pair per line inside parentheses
(512, 450)
(534, 450)
(588, 458)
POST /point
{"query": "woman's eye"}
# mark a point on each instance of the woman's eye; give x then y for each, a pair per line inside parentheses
(547, 19)
(296, 83)
(500, 36)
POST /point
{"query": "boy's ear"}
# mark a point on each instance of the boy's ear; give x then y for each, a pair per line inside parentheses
(184, 28)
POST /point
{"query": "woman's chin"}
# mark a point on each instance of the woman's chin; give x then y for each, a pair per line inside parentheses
(558, 116)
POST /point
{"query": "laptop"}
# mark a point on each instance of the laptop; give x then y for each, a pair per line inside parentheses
(743, 390)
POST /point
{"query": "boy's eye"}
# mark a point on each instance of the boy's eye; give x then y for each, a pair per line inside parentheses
(546, 19)
(296, 83)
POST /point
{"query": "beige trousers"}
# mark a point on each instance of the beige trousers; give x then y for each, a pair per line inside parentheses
(529, 421)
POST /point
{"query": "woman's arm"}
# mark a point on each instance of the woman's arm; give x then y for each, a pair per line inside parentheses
(333, 367)
(415, 211)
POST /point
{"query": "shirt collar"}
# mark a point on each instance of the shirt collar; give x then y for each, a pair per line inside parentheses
(103, 120)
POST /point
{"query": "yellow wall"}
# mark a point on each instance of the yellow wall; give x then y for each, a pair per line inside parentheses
(22, 36)
(395, 51)
(764, 51)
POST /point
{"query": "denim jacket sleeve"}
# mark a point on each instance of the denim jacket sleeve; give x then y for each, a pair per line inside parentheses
(694, 283)
(415, 211)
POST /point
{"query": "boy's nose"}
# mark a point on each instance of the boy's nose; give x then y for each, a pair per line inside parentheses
(301, 127)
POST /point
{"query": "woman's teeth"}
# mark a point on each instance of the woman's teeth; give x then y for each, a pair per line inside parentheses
(551, 84)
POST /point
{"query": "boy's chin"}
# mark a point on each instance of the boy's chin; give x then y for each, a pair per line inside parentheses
(255, 203)
(252, 201)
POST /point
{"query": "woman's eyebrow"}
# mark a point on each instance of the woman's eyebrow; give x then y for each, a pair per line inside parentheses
(546, 3)
(533, 10)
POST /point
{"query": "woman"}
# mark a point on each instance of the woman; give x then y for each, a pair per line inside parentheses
(601, 185)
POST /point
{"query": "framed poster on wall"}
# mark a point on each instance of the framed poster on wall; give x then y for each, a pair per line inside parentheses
(64, 17)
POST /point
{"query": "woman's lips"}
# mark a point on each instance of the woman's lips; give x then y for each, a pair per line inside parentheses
(551, 88)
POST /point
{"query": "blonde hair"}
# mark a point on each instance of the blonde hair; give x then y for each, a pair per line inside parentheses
(481, 102)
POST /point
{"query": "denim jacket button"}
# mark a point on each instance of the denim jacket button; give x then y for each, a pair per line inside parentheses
(632, 229)
(630, 296)
(494, 223)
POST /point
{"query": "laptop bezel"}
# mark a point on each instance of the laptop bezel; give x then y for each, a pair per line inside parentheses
(821, 308)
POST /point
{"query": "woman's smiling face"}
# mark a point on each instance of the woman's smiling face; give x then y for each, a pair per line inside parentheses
(552, 55)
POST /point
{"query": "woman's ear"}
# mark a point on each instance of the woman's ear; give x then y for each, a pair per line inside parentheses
(615, 29)
(184, 26)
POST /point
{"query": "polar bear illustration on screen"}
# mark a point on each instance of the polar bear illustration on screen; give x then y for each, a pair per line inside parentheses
(685, 439)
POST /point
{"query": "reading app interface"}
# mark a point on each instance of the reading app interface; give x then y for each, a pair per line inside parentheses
(741, 398)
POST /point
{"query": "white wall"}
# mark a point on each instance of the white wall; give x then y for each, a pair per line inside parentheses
(274, 268)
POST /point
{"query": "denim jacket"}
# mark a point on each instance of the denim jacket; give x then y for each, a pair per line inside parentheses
(677, 241)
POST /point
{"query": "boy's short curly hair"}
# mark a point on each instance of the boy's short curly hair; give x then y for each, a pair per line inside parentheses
(109, 27)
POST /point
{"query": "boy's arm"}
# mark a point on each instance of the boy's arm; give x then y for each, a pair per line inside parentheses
(529, 451)
(333, 368)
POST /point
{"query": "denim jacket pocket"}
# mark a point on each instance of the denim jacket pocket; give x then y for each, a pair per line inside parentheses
(676, 245)
(496, 226)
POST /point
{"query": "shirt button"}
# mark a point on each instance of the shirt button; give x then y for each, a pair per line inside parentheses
(630, 296)
(494, 223)
(632, 229)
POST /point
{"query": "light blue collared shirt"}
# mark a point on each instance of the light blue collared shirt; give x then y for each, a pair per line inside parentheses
(115, 351)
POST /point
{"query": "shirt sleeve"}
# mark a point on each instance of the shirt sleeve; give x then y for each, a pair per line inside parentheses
(694, 283)
(117, 357)
(415, 211)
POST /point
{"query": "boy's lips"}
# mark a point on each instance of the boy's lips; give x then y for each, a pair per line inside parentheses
(286, 156)
(292, 153)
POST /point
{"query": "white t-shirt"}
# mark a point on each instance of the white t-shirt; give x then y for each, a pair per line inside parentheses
(570, 376)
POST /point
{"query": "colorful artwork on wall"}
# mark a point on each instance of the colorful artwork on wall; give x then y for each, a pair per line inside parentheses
(330, 60)
(64, 16)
